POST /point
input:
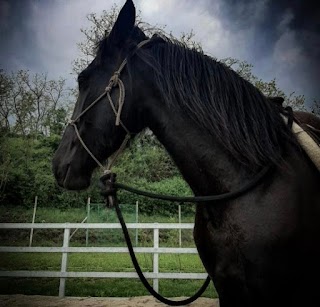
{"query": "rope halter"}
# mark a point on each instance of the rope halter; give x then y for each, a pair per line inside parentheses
(114, 82)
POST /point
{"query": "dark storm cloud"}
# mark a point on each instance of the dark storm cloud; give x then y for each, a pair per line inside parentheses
(270, 18)
(287, 31)
(16, 34)
(19, 35)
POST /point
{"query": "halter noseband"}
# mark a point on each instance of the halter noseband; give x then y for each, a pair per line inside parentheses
(114, 81)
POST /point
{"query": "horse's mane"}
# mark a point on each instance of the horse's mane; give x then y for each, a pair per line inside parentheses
(216, 99)
(219, 101)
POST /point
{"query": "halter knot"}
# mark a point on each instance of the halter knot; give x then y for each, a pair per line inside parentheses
(107, 186)
(114, 81)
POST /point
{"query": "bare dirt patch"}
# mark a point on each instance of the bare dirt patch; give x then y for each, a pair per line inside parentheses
(52, 301)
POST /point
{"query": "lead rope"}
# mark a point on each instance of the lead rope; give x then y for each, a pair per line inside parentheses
(112, 201)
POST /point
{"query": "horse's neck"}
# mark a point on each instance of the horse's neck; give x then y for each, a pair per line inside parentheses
(202, 161)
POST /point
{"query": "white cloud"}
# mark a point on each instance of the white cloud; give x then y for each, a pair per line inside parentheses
(57, 30)
(183, 17)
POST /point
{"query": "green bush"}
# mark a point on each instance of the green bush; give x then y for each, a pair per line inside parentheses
(25, 165)
(175, 186)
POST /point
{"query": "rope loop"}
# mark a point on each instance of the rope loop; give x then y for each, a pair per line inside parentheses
(108, 183)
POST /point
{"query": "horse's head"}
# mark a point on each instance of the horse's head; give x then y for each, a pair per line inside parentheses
(72, 164)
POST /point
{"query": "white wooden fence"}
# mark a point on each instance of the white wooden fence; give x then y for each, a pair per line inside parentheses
(63, 274)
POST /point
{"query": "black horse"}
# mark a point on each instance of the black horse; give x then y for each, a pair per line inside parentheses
(260, 249)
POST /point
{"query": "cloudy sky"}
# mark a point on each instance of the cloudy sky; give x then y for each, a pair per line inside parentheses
(280, 38)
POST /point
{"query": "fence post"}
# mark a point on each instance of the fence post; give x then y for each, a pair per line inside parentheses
(88, 221)
(33, 218)
(179, 213)
(137, 221)
(156, 257)
(64, 262)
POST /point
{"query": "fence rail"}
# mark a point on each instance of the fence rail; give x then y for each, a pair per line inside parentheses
(63, 274)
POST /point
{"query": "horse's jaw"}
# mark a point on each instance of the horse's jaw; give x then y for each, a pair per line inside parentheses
(75, 182)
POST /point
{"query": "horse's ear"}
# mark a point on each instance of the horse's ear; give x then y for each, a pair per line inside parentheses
(123, 25)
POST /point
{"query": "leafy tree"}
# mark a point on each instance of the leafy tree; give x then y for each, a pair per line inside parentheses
(32, 114)
(5, 106)
(32, 104)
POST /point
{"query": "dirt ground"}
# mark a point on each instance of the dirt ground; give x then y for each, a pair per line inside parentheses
(53, 301)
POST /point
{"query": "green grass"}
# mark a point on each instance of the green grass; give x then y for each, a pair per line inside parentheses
(98, 214)
(99, 262)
